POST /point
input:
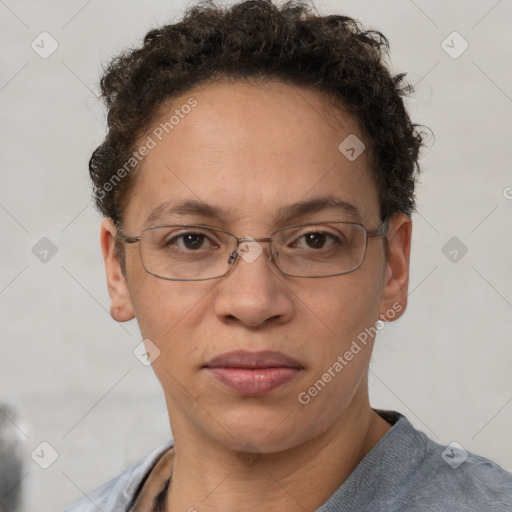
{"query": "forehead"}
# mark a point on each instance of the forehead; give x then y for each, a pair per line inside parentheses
(251, 150)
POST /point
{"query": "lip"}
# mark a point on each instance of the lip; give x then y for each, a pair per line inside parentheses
(253, 373)
(246, 359)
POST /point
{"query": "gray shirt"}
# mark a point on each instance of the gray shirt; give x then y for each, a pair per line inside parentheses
(405, 471)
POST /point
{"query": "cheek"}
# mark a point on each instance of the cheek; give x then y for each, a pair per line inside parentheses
(343, 316)
(159, 306)
(341, 307)
(163, 309)
(339, 318)
(169, 313)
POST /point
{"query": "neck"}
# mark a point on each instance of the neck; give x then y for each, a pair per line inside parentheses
(207, 477)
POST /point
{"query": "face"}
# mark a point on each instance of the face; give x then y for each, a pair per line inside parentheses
(252, 152)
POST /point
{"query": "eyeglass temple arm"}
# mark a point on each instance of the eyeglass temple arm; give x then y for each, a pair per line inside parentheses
(382, 230)
(127, 239)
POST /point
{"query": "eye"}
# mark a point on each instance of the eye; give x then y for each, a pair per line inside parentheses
(191, 241)
(316, 240)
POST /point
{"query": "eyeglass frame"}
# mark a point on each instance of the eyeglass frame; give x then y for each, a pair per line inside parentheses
(233, 257)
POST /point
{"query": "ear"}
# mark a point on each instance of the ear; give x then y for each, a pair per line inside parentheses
(396, 281)
(120, 306)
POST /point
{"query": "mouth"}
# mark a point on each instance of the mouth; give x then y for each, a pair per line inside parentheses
(253, 373)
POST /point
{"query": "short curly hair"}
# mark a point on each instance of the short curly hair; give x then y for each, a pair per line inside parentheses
(257, 39)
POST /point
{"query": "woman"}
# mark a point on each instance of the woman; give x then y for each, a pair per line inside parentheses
(257, 182)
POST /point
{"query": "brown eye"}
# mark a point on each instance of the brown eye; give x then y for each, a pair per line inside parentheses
(315, 240)
(193, 241)
(189, 241)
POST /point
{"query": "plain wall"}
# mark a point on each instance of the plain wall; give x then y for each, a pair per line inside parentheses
(69, 369)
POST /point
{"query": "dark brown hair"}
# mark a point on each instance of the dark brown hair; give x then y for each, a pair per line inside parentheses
(257, 39)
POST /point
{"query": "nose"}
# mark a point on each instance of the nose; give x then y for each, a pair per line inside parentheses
(254, 293)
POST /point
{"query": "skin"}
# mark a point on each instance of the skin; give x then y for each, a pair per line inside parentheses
(252, 149)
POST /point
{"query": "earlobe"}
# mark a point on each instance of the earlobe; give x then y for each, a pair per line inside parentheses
(120, 306)
(394, 295)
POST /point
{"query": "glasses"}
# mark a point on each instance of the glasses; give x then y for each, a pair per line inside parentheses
(196, 253)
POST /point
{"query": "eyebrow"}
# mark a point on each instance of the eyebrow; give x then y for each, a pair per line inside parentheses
(319, 204)
(185, 207)
(301, 208)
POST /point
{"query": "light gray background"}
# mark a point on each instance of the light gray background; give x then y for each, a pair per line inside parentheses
(69, 368)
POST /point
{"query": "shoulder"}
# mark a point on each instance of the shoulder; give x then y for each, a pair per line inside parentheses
(406, 471)
(447, 477)
(118, 494)
(460, 480)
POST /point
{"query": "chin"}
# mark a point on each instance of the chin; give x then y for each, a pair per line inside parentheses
(262, 431)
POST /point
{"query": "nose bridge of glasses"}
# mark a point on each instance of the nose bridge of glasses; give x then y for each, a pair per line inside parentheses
(249, 249)
(250, 239)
